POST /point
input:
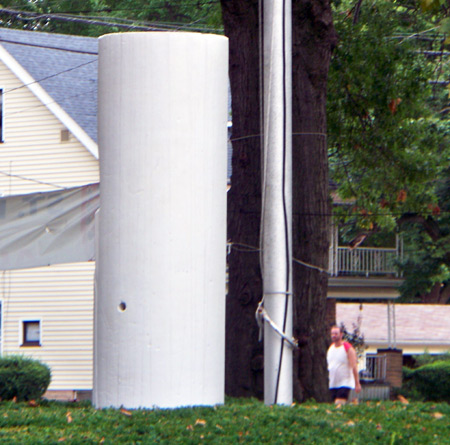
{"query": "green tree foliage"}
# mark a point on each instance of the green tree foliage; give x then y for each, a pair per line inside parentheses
(384, 140)
(97, 17)
(427, 259)
(65, 16)
(173, 14)
(388, 132)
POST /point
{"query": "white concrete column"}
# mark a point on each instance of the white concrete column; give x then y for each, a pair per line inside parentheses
(160, 300)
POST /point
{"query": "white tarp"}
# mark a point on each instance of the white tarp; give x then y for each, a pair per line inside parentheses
(45, 228)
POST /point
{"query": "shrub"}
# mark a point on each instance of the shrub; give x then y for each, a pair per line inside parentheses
(23, 378)
(431, 381)
(409, 389)
(426, 358)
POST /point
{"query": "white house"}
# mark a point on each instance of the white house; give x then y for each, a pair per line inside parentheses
(48, 134)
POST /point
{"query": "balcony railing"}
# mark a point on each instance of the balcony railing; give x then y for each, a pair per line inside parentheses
(366, 261)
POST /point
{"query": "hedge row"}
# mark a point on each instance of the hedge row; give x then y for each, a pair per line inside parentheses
(429, 382)
(23, 378)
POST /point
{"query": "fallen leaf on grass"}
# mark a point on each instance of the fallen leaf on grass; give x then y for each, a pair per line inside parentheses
(189, 427)
(125, 412)
(338, 406)
(200, 422)
(379, 427)
(14, 399)
(328, 411)
(350, 423)
(69, 417)
(402, 399)
(62, 439)
(355, 401)
(438, 415)
(218, 426)
(32, 403)
(5, 415)
(102, 440)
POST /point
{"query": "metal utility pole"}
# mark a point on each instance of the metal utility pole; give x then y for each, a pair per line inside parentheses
(277, 201)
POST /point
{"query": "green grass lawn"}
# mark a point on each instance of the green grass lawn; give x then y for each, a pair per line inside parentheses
(238, 421)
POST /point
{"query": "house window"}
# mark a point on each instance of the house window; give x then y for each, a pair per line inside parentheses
(31, 333)
(1, 114)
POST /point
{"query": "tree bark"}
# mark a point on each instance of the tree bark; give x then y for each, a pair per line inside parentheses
(243, 353)
(439, 294)
(313, 40)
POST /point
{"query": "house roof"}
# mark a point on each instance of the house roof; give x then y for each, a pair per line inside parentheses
(424, 324)
(64, 66)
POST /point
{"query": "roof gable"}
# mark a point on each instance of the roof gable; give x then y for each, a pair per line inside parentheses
(61, 70)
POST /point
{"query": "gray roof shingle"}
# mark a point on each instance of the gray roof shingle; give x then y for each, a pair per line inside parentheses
(65, 66)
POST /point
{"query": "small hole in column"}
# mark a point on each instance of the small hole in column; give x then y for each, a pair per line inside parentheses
(122, 306)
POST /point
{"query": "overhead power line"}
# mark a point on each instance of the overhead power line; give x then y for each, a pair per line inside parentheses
(24, 15)
(149, 7)
(105, 21)
(36, 45)
(59, 73)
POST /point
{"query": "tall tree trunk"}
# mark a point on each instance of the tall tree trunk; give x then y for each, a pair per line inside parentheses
(244, 359)
(313, 39)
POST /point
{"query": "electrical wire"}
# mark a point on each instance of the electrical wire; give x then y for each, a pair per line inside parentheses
(239, 138)
(10, 175)
(30, 16)
(103, 21)
(38, 81)
(36, 45)
(49, 77)
(147, 8)
(24, 110)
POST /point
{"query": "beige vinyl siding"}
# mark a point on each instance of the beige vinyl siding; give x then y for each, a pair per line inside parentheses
(61, 297)
(32, 147)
